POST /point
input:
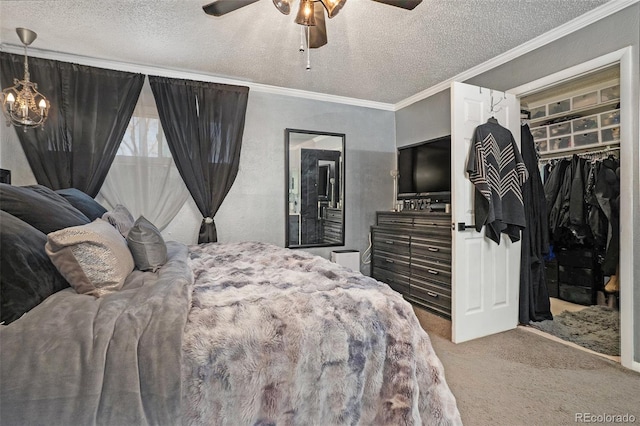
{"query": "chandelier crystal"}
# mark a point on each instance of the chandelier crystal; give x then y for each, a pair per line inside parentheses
(22, 104)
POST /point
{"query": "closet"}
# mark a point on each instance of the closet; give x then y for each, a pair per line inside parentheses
(576, 130)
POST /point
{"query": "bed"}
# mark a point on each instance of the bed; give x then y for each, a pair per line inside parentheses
(220, 334)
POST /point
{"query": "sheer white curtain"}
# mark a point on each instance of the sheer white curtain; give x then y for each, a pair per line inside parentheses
(143, 176)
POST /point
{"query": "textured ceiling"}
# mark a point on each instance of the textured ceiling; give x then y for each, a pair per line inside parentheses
(375, 52)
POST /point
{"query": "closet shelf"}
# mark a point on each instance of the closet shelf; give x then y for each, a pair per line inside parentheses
(574, 113)
(589, 119)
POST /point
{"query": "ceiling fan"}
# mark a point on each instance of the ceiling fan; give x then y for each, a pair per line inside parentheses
(310, 14)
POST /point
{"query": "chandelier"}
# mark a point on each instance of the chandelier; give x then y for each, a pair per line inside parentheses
(22, 104)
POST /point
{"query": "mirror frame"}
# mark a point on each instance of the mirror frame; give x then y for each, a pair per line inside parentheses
(287, 178)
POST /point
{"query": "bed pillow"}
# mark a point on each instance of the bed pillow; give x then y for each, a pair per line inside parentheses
(94, 258)
(147, 245)
(120, 218)
(28, 276)
(40, 207)
(83, 202)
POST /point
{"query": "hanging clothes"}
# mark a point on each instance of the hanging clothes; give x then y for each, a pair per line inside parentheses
(583, 204)
(496, 169)
(596, 219)
(608, 195)
(534, 295)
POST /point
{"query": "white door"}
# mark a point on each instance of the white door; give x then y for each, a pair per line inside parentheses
(485, 274)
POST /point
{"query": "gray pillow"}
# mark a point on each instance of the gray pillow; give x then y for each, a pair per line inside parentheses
(28, 276)
(83, 202)
(147, 245)
(40, 207)
(120, 218)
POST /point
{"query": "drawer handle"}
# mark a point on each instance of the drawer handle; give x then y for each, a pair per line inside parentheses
(432, 272)
(432, 294)
(389, 260)
(389, 241)
(434, 249)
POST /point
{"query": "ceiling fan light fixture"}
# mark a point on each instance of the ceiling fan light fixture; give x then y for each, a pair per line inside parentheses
(333, 6)
(306, 14)
(284, 6)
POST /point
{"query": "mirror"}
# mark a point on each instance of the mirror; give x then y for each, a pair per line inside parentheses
(314, 165)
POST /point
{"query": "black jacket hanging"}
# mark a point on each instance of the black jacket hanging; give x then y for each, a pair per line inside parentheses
(608, 195)
(534, 296)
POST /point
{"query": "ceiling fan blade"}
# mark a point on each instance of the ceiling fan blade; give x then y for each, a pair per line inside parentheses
(221, 7)
(405, 4)
(318, 32)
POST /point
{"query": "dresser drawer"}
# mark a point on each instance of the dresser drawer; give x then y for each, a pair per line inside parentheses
(396, 219)
(438, 220)
(333, 233)
(434, 226)
(391, 262)
(431, 248)
(392, 243)
(333, 215)
(398, 282)
(431, 294)
(439, 273)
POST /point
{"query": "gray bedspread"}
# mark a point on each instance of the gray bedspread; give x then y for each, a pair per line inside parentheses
(78, 360)
(225, 334)
(282, 337)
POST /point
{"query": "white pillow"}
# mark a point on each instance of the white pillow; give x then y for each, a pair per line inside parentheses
(93, 258)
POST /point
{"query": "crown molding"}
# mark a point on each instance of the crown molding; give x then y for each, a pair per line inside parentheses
(189, 75)
(576, 24)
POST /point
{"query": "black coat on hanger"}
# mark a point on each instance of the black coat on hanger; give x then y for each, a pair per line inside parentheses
(534, 302)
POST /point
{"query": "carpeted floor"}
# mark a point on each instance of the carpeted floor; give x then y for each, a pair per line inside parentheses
(519, 378)
(596, 328)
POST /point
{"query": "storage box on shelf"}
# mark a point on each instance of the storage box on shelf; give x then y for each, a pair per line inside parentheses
(583, 120)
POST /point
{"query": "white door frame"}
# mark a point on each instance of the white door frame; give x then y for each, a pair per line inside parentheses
(629, 158)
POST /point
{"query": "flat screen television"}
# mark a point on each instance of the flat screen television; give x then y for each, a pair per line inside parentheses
(425, 170)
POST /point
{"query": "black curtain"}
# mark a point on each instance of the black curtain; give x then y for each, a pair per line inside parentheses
(203, 123)
(534, 296)
(90, 110)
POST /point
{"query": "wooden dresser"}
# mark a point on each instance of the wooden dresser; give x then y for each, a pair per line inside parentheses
(411, 251)
(332, 226)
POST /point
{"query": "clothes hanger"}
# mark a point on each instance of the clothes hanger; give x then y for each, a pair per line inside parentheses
(493, 109)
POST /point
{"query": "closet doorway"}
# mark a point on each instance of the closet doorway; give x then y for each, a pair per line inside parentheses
(577, 119)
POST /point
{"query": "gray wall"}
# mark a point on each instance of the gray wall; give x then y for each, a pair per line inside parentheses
(255, 207)
(424, 120)
(615, 32)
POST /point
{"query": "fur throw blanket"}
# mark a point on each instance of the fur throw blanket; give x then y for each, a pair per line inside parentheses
(283, 337)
